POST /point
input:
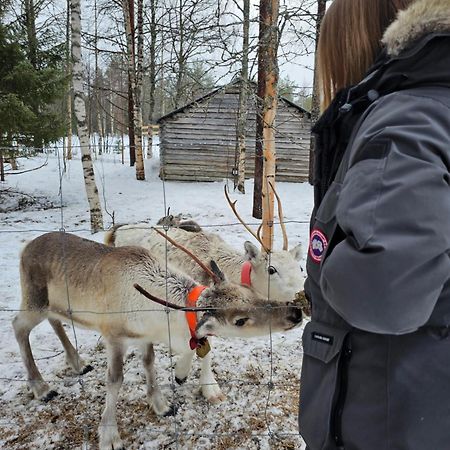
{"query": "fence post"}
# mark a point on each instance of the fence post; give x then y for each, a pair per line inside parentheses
(2, 167)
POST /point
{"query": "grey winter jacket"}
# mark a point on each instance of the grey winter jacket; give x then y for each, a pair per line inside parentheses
(376, 367)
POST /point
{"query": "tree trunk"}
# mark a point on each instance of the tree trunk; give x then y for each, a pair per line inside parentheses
(243, 100)
(13, 161)
(88, 105)
(111, 116)
(69, 87)
(80, 114)
(128, 12)
(30, 18)
(131, 122)
(140, 169)
(259, 163)
(267, 92)
(123, 149)
(2, 166)
(32, 54)
(152, 70)
(162, 75)
(97, 85)
(181, 62)
(315, 104)
(69, 123)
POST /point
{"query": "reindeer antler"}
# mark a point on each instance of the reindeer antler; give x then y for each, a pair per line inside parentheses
(280, 216)
(188, 252)
(233, 208)
(166, 303)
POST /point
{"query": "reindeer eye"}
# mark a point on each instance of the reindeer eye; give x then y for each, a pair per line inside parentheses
(272, 270)
(241, 322)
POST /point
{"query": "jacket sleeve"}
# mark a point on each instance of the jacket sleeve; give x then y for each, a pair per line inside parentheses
(394, 207)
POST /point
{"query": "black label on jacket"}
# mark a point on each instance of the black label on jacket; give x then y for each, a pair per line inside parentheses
(322, 338)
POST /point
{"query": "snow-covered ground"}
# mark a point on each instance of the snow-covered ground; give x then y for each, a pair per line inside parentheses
(252, 417)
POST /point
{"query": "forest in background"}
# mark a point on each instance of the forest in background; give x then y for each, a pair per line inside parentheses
(188, 48)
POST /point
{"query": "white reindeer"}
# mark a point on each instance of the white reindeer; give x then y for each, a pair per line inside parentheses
(275, 275)
(67, 278)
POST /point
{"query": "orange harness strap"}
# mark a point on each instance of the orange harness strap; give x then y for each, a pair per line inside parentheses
(191, 316)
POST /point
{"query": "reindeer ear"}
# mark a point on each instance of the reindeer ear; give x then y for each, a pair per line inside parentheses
(297, 252)
(216, 270)
(251, 251)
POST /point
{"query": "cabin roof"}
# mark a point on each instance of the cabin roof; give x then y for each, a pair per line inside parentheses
(221, 89)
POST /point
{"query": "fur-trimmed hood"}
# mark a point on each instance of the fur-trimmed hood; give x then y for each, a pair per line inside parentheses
(419, 19)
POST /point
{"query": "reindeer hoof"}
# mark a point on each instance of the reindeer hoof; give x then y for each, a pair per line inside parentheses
(180, 380)
(86, 369)
(217, 399)
(49, 396)
(171, 412)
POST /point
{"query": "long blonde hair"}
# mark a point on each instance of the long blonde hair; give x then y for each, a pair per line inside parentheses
(350, 39)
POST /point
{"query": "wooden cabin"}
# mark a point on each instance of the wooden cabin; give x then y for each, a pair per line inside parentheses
(198, 141)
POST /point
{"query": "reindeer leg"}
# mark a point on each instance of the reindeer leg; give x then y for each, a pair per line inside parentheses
(210, 389)
(73, 359)
(23, 323)
(183, 367)
(109, 436)
(156, 398)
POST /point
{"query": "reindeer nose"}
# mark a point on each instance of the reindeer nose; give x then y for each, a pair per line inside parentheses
(295, 314)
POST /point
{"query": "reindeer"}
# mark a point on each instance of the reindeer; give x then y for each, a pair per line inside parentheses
(274, 275)
(178, 221)
(67, 278)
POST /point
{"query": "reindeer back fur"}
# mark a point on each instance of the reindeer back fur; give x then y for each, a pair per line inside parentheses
(284, 283)
(60, 271)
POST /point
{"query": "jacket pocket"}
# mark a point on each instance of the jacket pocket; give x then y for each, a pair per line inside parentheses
(320, 384)
(327, 209)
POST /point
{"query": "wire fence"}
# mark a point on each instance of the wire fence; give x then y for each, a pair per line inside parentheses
(264, 393)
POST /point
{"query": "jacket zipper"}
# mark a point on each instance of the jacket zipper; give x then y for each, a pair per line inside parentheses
(342, 392)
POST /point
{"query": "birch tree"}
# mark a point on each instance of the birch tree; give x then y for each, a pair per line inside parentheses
(80, 114)
(268, 99)
(243, 100)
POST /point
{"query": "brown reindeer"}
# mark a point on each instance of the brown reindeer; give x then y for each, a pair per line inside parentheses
(67, 278)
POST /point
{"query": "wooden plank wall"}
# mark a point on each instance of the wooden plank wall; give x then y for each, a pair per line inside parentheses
(198, 143)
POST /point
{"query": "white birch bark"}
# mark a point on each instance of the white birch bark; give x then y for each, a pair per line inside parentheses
(140, 169)
(243, 96)
(135, 91)
(269, 20)
(80, 114)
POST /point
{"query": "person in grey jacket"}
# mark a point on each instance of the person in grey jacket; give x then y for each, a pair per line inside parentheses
(376, 364)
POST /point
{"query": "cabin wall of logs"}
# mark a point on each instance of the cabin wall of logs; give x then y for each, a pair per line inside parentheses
(198, 141)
